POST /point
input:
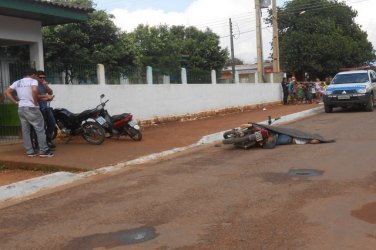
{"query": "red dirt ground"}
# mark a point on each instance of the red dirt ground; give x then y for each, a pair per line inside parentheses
(77, 155)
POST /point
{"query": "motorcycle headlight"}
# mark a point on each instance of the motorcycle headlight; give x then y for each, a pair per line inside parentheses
(328, 92)
(99, 107)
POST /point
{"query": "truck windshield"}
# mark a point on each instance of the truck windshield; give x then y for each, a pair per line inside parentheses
(351, 78)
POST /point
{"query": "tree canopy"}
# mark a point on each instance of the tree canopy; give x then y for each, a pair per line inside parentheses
(165, 48)
(169, 48)
(95, 41)
(320, 36)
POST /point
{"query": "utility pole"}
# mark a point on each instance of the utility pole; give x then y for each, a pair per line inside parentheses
(232, 52)
(260, 63)
(276, 65)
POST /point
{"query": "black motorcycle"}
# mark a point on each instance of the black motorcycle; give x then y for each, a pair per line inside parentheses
(88, 124)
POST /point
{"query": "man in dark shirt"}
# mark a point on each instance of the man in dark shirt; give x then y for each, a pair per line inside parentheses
(285, 90)
(45, 95)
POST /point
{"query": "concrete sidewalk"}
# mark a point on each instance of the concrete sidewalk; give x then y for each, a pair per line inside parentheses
(157, 142)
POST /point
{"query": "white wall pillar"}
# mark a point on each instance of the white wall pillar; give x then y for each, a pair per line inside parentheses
(257, 79)
(36, 55)
(184, 76)
(101, 74)
(124, 80)
(149, 75)
(213, 77)
(237, 78)
(166, 79)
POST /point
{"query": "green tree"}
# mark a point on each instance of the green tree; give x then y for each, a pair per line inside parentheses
(237, 61)
(320, 36)
(84, 3)
(169, 48)
(95, 41)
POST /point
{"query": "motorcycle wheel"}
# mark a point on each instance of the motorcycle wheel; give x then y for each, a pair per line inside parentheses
(93, 133)
(134, 134)
(246, 145)
(235, 140)
(228, 134)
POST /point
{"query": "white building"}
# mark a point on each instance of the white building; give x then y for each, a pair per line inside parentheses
(21, 22)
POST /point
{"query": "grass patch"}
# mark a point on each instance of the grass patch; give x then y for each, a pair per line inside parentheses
(3, 167)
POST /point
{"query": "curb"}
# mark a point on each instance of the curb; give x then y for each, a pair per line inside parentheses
(32, 186)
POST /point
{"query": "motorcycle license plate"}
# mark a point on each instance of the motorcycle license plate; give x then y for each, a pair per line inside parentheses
(100, 120)
(134, 124)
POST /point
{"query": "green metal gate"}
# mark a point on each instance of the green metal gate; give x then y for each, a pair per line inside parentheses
(10, 128)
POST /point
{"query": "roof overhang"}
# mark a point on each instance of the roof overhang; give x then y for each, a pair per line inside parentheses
(48, 12)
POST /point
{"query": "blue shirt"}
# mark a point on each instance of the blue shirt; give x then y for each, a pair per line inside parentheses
(43, 104)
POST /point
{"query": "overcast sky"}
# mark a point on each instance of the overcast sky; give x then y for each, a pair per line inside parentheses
(215, 14)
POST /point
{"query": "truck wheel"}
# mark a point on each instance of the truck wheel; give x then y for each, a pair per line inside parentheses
(328, 108)
(369, 105)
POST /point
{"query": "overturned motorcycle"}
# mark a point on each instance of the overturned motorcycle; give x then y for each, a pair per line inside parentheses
(267, 136)
(118, 125)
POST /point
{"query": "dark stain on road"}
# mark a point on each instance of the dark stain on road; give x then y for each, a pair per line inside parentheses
(366, 213)
(305, 172)
(292, 174)
(113, 239)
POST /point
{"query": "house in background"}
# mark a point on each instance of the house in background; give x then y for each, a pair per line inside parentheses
(246, 73)
(21, 22)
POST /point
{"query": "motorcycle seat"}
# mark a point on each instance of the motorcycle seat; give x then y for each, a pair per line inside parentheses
(83, 114)
(119, 117)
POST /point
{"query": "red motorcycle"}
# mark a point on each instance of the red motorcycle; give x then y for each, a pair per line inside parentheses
(118, 125)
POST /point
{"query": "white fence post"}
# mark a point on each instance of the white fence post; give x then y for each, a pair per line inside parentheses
(149, 75)
(213, 77)
(237, 78)
(101, 74)
(166, 79)
(184, 76)
(124, 80)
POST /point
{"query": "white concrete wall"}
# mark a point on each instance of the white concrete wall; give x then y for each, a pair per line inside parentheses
(163, 100)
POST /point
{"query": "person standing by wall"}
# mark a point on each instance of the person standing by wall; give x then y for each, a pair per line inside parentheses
(45, 95)
(284, 90)
(292, 89)
(319, 90)
(29, 113)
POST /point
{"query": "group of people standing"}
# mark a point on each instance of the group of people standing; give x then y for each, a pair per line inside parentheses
(33, 97)
(302, 92)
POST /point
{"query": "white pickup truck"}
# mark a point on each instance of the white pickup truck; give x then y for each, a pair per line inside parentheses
(348, 88)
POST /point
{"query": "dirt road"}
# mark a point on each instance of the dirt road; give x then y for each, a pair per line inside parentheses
(218, 197)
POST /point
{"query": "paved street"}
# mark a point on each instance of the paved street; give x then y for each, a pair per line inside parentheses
(218, 197)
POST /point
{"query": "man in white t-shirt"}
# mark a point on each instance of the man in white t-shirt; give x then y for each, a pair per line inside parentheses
(29, 113)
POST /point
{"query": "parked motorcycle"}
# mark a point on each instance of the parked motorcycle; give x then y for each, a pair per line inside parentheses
(88, 124)
(118, 125)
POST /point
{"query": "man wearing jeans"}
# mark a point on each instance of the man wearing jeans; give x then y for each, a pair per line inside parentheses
(45, 95)
(29, 113)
